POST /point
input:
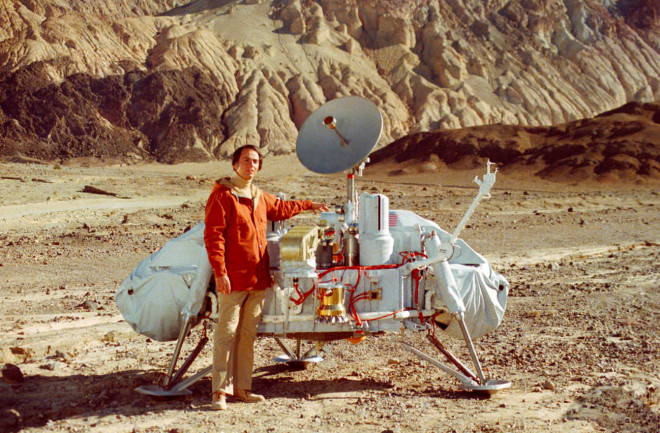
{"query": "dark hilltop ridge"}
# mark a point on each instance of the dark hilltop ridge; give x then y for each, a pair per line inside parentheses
(621, 145)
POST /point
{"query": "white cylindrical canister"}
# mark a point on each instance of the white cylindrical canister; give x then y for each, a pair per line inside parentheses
(376, 242)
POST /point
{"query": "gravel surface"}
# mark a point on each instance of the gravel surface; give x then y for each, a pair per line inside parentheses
(579, 341)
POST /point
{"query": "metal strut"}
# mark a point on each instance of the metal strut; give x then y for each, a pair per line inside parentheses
(450, 356)
(469, 381)
(298, 358)
(187, 325)
(490, 386)
(173, 385)
(473, 353)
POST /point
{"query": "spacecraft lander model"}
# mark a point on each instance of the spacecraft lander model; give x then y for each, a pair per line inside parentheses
(364, 269)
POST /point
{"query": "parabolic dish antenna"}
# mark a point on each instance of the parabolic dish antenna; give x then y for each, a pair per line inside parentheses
(339, 134)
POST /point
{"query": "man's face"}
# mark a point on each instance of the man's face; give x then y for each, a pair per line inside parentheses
(248, 164)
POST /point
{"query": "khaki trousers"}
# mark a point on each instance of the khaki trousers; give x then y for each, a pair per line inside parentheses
(239, 314)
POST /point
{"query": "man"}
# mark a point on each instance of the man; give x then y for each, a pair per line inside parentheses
(235, 238)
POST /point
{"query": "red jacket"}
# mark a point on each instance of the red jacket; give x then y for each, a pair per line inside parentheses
(235, 233)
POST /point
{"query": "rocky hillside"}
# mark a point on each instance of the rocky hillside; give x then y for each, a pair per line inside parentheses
(180, 80)
(622, 145)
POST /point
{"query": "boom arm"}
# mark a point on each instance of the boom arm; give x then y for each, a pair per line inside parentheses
(484, 192)
(438, 251)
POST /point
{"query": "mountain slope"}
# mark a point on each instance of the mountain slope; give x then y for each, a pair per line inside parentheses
(176, 80)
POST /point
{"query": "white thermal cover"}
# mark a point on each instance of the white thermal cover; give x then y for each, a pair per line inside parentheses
(168, 284)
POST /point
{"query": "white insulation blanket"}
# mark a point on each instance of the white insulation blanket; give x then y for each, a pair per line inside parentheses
(167, 285)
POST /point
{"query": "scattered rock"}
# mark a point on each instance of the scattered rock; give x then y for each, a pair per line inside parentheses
(62, 356)
(89, 305)
(94, 190)
(49, 367)
(9, 418)
(12, 374)
(15, 354)
(109, 337)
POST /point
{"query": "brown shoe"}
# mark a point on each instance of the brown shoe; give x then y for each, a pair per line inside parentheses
(219, 401)
(247, 397)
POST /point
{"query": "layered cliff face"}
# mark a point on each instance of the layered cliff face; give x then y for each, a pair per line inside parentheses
(191, 80)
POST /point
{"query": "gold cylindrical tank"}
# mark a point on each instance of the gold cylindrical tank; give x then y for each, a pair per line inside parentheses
(331, 303)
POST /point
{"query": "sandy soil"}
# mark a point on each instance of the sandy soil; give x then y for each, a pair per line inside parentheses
(579, 341)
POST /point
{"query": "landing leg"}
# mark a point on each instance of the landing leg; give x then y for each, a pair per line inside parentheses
(490, 386)
(173, 385)
(469, 381)
(295, 358)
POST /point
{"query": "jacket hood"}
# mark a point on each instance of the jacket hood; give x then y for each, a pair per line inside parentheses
(225, 182)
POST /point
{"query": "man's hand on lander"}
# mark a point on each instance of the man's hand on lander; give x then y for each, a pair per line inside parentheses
(222, 284)
(320, 207)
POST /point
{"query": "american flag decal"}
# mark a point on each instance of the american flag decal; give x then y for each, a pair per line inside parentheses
(394, 219)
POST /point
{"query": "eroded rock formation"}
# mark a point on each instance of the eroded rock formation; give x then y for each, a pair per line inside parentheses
(190, 80)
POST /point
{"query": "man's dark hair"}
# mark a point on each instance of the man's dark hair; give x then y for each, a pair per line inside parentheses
(237, 154)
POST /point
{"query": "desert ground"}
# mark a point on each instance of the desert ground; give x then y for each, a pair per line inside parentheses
(580, 339)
